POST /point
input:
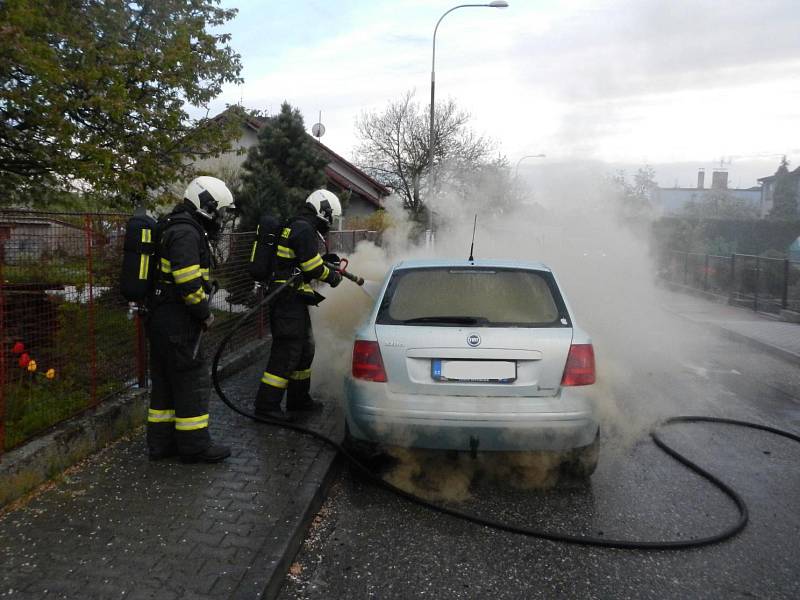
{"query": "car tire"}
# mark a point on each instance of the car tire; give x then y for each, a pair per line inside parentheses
(582, 462)
(369, 454)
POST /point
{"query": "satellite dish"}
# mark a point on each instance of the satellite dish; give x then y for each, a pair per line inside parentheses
(318, 130)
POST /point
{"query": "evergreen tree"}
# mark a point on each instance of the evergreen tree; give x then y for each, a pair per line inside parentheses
(280, 170)
(784, 197)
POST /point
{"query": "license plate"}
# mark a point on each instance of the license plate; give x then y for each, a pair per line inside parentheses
(481, 371)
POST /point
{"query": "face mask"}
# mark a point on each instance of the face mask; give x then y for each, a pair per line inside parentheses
(213, 227)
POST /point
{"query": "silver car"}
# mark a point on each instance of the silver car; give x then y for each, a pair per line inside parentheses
(474, 356)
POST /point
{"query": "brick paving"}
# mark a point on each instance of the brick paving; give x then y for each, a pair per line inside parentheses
(119, 526)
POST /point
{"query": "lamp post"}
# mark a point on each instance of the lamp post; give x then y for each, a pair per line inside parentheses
(495, 4)
(516, 170)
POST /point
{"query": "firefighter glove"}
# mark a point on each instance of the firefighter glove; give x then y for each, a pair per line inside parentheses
(334, 279)
(332, 259)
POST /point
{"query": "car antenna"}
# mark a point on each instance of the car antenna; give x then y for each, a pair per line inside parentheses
(472, 247)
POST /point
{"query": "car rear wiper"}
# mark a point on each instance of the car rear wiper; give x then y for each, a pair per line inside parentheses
(462, 319)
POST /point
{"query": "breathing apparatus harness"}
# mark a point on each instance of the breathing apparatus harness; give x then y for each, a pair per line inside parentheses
(727, 533)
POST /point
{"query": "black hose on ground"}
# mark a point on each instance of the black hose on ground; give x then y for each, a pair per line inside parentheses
(727, 533)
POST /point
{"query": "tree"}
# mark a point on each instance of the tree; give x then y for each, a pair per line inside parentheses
(394, 148)
(720, 204)
(784, 196)
(280, 170)
(486, 188)
(92, 94)
(635, 198)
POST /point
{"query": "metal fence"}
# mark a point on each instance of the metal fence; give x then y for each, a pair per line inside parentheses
(765, 284)
(345, 242)
(67, 338)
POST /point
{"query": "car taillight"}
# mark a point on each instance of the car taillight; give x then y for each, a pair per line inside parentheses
(367, 361)
(580, 365)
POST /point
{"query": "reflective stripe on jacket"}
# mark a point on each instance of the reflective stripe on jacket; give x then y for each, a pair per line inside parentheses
(297, 248)
(184, 265)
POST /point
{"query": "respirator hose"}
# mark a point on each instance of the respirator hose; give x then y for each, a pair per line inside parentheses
(725, 534)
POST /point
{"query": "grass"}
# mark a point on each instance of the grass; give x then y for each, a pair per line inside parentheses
(34, 403)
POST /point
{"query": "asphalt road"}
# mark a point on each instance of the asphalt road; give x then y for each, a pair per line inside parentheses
(367, 543)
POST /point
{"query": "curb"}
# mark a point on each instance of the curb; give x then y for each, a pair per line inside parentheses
(775, 351)
(268, 569)
(46, 456)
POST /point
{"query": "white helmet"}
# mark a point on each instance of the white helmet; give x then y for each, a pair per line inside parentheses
(209, 195)
(325, 204)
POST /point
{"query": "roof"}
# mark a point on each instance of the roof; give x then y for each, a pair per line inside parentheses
(7, 220)
(373, 196)
(460, 262)
(795, 173)
(383, 189)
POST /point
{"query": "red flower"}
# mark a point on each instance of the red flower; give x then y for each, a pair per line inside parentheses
(24, 360)
(18, 348)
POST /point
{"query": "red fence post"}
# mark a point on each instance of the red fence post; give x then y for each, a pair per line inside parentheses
(2, 354)
(91, 316)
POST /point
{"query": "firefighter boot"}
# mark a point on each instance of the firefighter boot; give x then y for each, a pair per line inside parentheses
(298, 399)
(214, 453)
(268, 404)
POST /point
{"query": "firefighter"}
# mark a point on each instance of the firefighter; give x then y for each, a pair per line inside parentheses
(177, 422)
(289, 367)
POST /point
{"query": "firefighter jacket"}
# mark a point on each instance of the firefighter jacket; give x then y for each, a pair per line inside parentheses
(297, 248)
(184, 265)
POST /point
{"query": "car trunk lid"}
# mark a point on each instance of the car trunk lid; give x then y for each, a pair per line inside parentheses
(474, 361)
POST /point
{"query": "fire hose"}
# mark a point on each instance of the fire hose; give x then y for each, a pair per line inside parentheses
(727, 533)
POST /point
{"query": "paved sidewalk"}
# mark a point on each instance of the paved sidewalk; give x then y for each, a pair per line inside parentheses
(119, 526)
(779, 338)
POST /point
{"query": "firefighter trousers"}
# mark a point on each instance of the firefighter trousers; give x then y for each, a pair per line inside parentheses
(177, 420)
(289, 365)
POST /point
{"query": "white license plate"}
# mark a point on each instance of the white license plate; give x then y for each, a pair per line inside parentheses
(495, 371)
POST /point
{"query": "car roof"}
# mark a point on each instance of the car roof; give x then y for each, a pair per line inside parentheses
(460, 262)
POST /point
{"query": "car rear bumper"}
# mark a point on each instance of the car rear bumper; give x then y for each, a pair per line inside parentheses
(562, 422)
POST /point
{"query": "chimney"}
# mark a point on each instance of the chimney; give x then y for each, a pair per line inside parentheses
(719, 180)
(701, 179)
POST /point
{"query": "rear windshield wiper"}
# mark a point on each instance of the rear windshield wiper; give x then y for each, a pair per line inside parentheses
(448, 319)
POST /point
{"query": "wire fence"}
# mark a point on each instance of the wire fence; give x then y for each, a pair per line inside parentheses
(762, 283)
(68, 339)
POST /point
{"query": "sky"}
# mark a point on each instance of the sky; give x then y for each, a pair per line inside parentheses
(676, 84)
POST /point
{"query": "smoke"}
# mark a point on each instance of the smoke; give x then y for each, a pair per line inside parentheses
(603, 264)
(448, 477)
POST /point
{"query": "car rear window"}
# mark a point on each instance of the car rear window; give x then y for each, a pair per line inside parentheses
(473, 296)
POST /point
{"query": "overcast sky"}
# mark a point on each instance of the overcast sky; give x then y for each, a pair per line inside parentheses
(679, 84)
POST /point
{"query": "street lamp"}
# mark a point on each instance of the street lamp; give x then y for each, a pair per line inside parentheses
(516, 170)
(496, 4)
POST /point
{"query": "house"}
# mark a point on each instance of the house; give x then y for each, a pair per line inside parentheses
(768, 189)
(26, 238)
(674, 201)
(366, 193)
